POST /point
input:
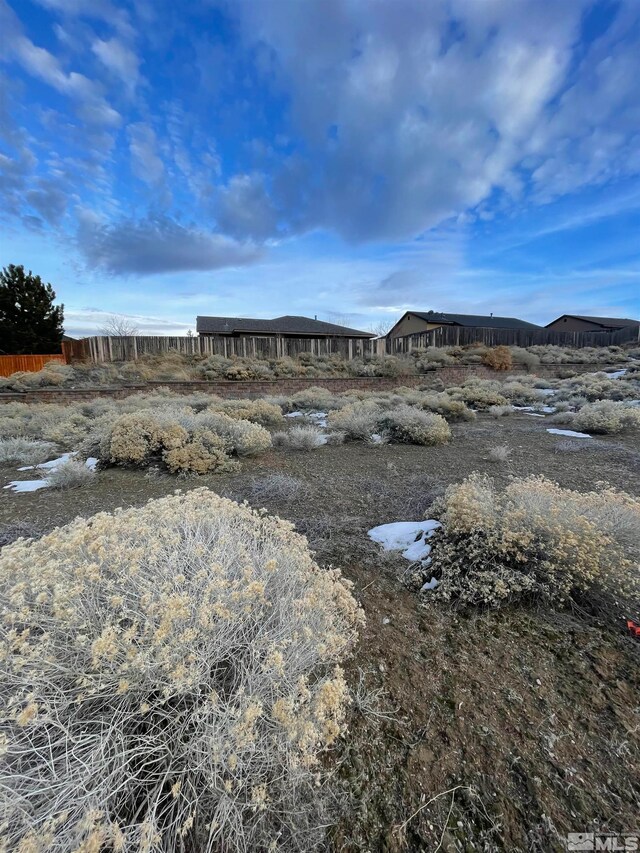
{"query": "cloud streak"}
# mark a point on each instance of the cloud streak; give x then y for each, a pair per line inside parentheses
(160, 245)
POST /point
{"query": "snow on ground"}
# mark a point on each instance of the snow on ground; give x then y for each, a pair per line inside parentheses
(51, 465)
(432, 584)
(318, 418)
(27, 485)
(571, 433)
(406, 536)
(617, 374)
(33, 485)
(535, 410)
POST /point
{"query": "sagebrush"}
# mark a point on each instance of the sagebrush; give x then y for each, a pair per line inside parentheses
(535, 540)
(170, 675)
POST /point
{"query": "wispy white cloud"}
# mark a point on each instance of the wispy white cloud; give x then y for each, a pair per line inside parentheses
(120, 59)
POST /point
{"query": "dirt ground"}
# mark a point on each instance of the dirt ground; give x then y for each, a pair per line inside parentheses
(491, 731)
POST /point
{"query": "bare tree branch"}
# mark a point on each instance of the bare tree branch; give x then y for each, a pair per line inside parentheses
(117, 325)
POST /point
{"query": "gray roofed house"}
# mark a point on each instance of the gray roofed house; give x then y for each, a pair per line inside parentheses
(581, 323)
(279, 326)
(413, 322)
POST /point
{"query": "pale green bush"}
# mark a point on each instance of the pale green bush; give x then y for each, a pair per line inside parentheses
(171, 676)
(256, 411)
(300, 438)
(524, 356)
(314, 399)
(409, 425)
(71, 474)
(26, 451)
(356, 420)
(479, 393)
(607, 417)
(443, 404)
(245, 438)
(534, 540)
(500, 411)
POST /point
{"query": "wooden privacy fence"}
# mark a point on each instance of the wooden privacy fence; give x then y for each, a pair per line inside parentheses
(105, 349)
(447, 336)
(29, 363)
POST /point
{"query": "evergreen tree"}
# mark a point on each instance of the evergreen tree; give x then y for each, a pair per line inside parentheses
(29, 321)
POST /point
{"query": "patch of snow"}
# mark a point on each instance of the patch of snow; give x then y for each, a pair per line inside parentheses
(51, 465)
(569, 432)
(318, 418)
(376, 438)
(406, 536)
(533, 414)
(534, 410)
(417, 551)
(91, 463)
(617, 374)
(546, 390)
(432, 584)
(27, 485)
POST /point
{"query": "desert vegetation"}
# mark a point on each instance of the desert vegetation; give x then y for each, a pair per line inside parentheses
(535, 540)
(215, 639)
(192, 656)
(175, 367)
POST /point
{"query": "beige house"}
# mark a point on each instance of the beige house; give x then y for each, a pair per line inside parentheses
(578, 323)
(413, 322)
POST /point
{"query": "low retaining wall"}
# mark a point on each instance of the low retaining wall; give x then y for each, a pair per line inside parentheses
(441, 377)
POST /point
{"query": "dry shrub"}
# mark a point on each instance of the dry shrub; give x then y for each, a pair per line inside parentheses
(25, 450)
(71, 474)
(256, 411)
(535, 540)
(171, 674)
(313, 399)
(203, 453)
(300, 438)
(356, 420)
(500, 453)
(246, 438)
(184, 440)
(276, 487)
(409, 425)
(500, 411)
(443, 404)
(498, 358)
(479, 393)
(607, 417)
(524, 356)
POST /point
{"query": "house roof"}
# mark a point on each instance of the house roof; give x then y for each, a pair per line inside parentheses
(608, 322)
(287, 325)
(478, 321)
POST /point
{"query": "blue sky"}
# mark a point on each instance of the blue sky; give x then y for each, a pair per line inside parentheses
(349, 159)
